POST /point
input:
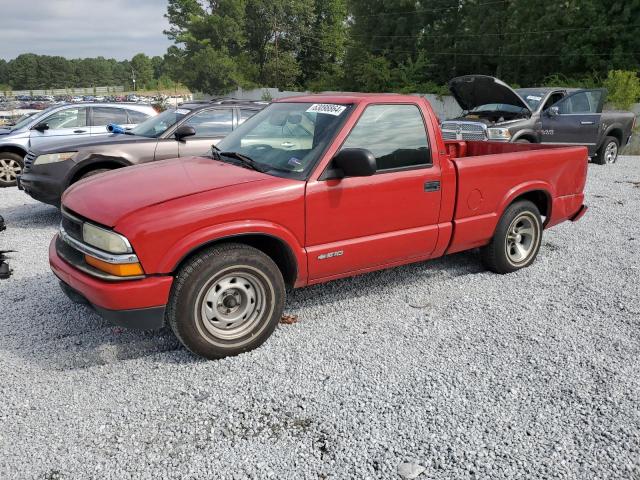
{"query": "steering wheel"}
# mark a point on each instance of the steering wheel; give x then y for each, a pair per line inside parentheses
(261, 146)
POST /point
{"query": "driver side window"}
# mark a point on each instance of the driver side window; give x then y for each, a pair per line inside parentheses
(553, 99)
(69, 118)
(211, 123)
(395, 134)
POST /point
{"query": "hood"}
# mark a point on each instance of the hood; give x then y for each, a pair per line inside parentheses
(60, 144)
(108, 197)
(472, 91)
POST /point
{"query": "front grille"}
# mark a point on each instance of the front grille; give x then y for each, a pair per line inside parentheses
(28, 161)
(72, 226)
(464, 131)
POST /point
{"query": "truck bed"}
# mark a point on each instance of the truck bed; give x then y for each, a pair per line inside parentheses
(492, 174)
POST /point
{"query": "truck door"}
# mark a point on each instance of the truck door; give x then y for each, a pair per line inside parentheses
(355, 223)
(574, 120)
(211, 126)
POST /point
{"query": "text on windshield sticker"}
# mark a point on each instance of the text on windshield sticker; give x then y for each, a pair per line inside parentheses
(328, 108)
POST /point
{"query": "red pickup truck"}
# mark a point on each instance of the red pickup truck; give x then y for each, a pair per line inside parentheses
(309, 190)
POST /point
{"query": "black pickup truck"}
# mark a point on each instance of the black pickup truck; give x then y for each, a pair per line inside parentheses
(493, 111)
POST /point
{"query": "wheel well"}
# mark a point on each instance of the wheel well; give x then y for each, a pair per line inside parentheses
(527, 136)
(617, 134)
(108, 164)
(13, 149)
(540, 199)
(273, 247)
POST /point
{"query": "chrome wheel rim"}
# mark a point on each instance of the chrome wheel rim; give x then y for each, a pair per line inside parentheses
(522, 237)
(231, 305)
(611, 152)
(9, 169)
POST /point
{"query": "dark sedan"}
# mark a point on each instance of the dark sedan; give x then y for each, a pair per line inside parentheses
(191, 129)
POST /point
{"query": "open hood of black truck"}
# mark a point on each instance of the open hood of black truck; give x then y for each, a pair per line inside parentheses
(472, 91)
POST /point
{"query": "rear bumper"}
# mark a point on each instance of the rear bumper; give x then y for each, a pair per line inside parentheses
(132, 304)
(580, 213)
(567, 207)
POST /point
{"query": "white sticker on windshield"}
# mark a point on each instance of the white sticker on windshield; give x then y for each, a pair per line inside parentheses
(533, 97)
(183, 111)
(328, 108)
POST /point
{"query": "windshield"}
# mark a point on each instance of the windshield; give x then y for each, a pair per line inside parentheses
(287, 139)
(28, 118)
(498, 107)
(156, 126)
(533, 99)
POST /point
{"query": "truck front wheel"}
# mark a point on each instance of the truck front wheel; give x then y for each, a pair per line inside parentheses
(517, 239)
(226, 300)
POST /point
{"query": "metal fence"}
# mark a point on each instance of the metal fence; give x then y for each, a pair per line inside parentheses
(109, 90)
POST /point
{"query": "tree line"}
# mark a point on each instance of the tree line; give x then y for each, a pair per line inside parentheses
(398, 45)
(366, 45)
(33, 72)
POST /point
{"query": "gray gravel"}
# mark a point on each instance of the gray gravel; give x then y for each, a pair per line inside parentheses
(441, 364)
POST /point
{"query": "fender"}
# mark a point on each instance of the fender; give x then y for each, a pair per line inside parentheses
(14, 148)
(186, 245)
(527, 187)
(90, 160)
(526, 133)
(611, 128)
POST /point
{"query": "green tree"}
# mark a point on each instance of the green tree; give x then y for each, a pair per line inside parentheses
(623, 88)
(143, 69)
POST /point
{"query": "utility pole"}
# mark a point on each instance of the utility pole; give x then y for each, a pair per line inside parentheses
(277, 34)
(133, 78)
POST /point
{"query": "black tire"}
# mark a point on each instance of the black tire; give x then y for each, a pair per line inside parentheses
(501, 255)
(208, 278)
(11, 165)
(608, 152)
(93, 173)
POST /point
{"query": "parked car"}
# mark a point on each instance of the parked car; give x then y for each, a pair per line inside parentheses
(189, 130)
(59, 122)
(311, 189)
(494, 111)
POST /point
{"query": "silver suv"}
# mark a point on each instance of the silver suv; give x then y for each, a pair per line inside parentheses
(63, 122)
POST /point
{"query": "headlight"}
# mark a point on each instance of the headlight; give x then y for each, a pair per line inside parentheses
(105, 239)
(53, 158)
(499, 134)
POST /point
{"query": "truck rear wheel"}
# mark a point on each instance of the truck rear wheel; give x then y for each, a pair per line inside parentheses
(608, 152)
(225, 301)
(11, 165)
(517, 239)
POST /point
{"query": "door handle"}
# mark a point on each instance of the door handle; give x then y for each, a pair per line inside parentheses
(286, 144)
(587, 123)
(79, 131)
(432, 186)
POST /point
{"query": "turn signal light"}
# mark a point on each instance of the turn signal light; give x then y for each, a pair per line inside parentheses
(116, 269)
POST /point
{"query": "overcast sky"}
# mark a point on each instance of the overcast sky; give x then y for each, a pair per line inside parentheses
(83, 28)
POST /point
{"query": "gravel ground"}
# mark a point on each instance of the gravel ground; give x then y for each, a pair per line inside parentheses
(441, 364)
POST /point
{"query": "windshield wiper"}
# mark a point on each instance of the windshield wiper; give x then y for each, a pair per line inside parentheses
(244, 160)
(215, 153)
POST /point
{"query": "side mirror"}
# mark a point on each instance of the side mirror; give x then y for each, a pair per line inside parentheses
(354, 162)
(184, 131)
(41, 127)
(553, 111)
